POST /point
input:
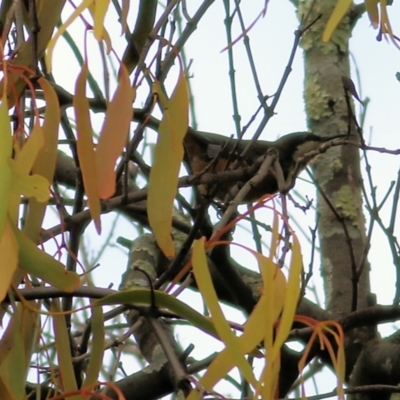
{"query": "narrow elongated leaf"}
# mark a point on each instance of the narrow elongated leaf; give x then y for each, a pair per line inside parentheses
(85, 147)
(206, 287)
(21, 181)
(29, 185)
(9, 259)
(5, 154)
(96, 10)
(101, 8)
(75, 14)
(5, 391)
(258, 323)
(42, 265)
(45, 162)
(168, 155)
(63, 351)
(162, 300)
(338, 13)
(28, 154)
(48, 14)
(113, 134)
(372, 9)
(97, 348)
(7, 341)
(13, 371)
(291, 297)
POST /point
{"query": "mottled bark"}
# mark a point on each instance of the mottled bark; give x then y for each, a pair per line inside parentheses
(337, 172)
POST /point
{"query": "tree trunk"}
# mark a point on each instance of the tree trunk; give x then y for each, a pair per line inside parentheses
(337, 172)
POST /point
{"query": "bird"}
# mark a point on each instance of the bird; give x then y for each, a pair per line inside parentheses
(210, 152)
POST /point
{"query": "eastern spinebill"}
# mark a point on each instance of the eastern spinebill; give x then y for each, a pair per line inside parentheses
(203, 148)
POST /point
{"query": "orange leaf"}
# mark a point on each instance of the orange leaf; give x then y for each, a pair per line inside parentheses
(113, 134)
(84, 143)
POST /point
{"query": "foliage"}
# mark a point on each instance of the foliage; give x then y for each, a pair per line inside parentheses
(54, 319)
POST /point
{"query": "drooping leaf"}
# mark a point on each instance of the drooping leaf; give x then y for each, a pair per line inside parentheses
(233, 349)
(338, 13)
(12, 370)
(162, 299)
(45, 162)
(7, 341)
(40, 264)
(29, 185)
(22, 183)
(291, 296)
(85, 147)
(168, 155)
(5, 391)
(48, 13)
(75, 14)
(97, 348)
(113, 134)
(260, 323)
(65, 364)
(98, 10)
(9, 259)
(372, 9)
(5, 154)
(30, 149)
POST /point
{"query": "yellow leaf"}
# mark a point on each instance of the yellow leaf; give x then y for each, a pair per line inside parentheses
(12, 370)
(66, 370)
(113, 134)
(9, 259)
(40, 264)
(372, 9)
(291, 297)
(84, 144)
(5, 155)
(29, 185)
(98, 11)
(260, 322)
(168, 155)
(162, 300)
(75, 14)
(97, 349)
(45, 162)
(101, 7)
(28, 154)
(5, 391)
(338, 13)
(234, 354)
(7, 341)
(20, 169)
